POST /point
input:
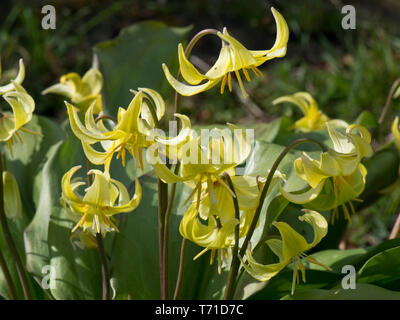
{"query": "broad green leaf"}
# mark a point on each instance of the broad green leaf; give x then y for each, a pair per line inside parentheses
(281, 285)
(47, 238)
(28, 158)
(362, 292)
(336, 259)
(366, 119)
(382, 169)
(135, 264)
(383, 269)
(134, 60)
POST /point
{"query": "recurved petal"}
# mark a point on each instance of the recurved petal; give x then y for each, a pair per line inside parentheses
(126, 205)
(159, 102)
(59, 88)
(188, 70)
(18, 79)
(318, 223)
(301, 198)
(183, 134)
(260, 271)
(187, 90)
(129, 121)
(68, 193)
(239, 57)
(293, 243)
(166, 175)
(279, 48)
(94, 80)
(79, 129)
(22, 105)
(303, 106)
(309, 169)
(98, 194)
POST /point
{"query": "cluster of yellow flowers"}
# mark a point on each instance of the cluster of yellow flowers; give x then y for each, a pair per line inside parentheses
(210, 221)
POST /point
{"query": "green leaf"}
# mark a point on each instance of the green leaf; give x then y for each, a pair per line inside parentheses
(134, 60)
(382, 169)
(362, 292)
(135, 264)
(28, 157)
(366, 119)
(383, 269)
(47, 238)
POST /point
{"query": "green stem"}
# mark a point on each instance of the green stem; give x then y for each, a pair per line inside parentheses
(388, 100)
(101, 251)
(7, 277)
(234, 269)
(233, 272)
(266, 187)
(10, 241)
(165, 206)
(162, 203)
(180, 271)
(166, 231)
(104, 268)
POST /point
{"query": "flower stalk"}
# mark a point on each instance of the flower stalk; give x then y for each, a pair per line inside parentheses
(102, 254)
(231, 282)
(7, 277)
(232, 278)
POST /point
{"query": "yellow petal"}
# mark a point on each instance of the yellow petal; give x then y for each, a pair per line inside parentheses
(279, 48)
(18, 79)
(188, 70)
(187, 90)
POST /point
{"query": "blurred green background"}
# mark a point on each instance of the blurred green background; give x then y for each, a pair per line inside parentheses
(347, 71)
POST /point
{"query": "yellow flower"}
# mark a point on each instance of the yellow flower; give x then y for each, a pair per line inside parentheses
(95, 210)
(210, 220)
(83, 92)
(314, 119)
(132, 132)
(204, 162)
(338, 176)
(11, 196)
(22, 105)
(291, 249)
(233, 57)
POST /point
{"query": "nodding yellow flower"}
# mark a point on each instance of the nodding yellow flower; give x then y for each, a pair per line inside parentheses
(82, 92)
(290, 249)
(314, 119)
(132, 131)
(11, 196)
(204, 162)
(22, 105)
(233, 57)
(210, 220)
(338, 177)
(103, 199)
